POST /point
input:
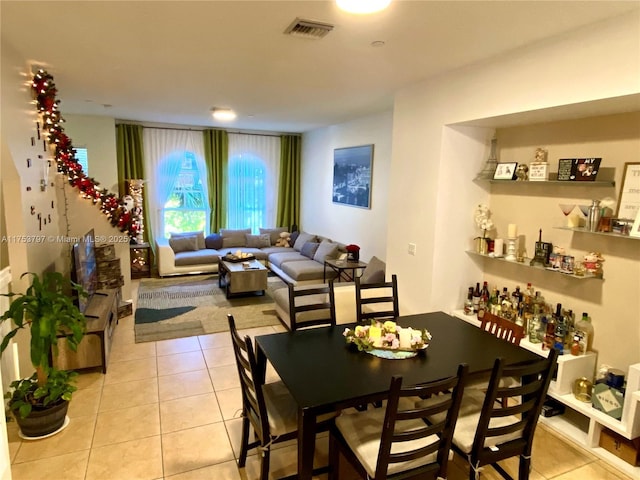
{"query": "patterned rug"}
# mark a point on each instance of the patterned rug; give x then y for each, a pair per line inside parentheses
(195, 305)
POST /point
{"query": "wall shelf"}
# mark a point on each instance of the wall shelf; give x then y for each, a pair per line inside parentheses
(605, 234)
(556, 183)
(525, 264)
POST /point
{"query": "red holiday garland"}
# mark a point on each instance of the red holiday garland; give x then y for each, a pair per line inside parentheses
(44, 90)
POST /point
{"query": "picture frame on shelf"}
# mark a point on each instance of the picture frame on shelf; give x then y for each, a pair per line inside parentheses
(629, 197)
(505, 171)
(538, 172)
(352, 171)
(635, 230)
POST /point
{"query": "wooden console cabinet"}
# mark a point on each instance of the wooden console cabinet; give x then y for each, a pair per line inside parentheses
(94, 349)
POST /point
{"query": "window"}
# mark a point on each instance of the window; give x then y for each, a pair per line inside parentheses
(186, 209)
(254, 165)
(81, 157)
(247, 192)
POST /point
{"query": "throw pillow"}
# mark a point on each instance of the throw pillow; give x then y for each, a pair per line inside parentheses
(199, 238)
(309, 249)
(258, 241)
(274, 233)
(326, 250)
(213, 241)
(293, 237)
(234, 238)
(374, 271)
(183, 244)
(303, 238)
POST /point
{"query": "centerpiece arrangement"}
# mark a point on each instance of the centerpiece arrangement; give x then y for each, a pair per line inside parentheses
(388, 340)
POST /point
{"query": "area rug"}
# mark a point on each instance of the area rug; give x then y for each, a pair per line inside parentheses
(195, 305)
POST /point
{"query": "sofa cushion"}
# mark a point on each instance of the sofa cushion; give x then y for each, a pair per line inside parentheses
(309, 249)
(374, 271)
(274, 233)
(302, 239)
(184, 244)
(206, 256)
(326, 250)
(198, 235)
(278, 259)
(213, 241)
(234, 238)
(304, 270)
(258, 241)
(271, 250)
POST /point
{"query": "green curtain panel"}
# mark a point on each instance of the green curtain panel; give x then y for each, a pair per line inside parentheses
(130, 158)
(216, 155)
(288, 212)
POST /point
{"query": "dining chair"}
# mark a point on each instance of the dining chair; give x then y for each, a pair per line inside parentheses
(505, 330)
(267, 407)
(312, 306)
(502, 328)
(377, 300)
(487, 432)
(397, 442)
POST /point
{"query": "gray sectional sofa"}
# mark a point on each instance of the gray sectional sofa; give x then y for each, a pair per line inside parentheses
(302, 263)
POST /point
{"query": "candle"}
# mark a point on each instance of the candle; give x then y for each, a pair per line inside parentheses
(16, 361)
(375, 334)
(405, 338)
(498, 247)
(512, 230)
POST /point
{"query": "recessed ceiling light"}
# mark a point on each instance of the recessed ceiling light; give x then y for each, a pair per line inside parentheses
(362, 6)
(223, 114)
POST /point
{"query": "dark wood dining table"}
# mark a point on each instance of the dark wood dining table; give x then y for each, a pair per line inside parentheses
(323, 373)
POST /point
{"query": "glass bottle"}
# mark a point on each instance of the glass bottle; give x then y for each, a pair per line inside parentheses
(560, 327)
(476, 298)
(534, 326)
(468, 303)
(550, 334)
(584, 329)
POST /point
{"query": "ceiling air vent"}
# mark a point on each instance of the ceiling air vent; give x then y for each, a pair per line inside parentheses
(308, 28)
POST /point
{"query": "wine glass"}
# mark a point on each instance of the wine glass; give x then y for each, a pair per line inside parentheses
(567, 209)
(585, 211)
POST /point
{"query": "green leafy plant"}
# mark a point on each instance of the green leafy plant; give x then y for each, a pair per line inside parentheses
(47, 311)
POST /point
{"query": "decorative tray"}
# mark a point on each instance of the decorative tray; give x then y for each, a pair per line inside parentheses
(236, 259)
(388, 340)
(394, 353)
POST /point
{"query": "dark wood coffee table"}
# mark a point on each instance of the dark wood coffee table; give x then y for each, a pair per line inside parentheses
(242, 277)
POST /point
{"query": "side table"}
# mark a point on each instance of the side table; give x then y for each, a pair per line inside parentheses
(141, 260)
(342, 268)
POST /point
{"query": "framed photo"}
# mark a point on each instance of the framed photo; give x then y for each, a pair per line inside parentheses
(629, 198)
(635, 230)
(538, 172)
(505, 171)
(352, 168)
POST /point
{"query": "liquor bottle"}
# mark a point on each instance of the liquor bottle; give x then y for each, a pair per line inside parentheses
(550, 334)
(584, 329)
(516, 298)
(494, 302)
(534, 326)
(468, 303)
(560, 327)
(476, 298)
(569, 322)
(543, 330)
(529, 290)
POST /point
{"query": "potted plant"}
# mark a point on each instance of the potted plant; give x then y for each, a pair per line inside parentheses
(39, 403)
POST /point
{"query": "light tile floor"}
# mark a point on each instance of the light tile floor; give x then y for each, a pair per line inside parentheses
(171, 409)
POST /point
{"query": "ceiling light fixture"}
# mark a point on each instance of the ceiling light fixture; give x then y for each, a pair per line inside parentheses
(223, 114)
(362, 6)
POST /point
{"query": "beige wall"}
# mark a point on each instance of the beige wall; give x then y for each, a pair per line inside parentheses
(438, 149)
(364, 227)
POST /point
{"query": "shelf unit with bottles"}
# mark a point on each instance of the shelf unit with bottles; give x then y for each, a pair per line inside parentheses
(581, 423)
(525, 264)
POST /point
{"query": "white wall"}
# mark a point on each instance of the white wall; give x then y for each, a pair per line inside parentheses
(435, 162)
(98, 136)
(364, 227)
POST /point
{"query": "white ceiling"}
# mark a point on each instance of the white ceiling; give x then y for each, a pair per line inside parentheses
(172, 61)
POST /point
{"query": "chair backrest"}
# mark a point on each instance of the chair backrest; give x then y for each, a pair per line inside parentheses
(312, 306)
(511, 428)
(502, 328)
(427, 438)
(253, 404)
(385, 294)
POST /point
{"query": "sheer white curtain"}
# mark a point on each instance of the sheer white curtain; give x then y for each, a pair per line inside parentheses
(164, 151)
(254, 168)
